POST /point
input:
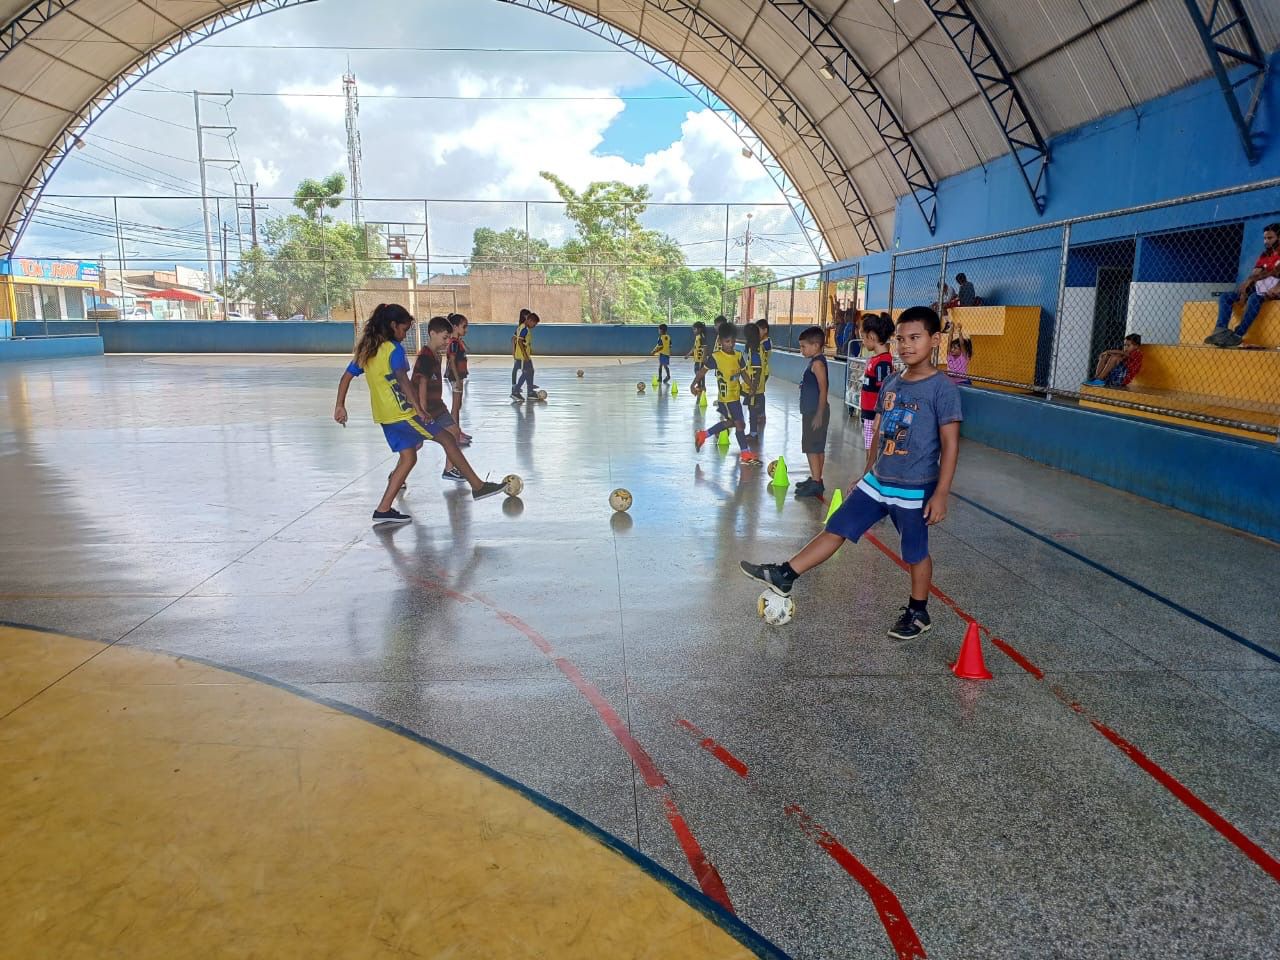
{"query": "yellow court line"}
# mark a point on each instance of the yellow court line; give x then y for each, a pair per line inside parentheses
(154, 806)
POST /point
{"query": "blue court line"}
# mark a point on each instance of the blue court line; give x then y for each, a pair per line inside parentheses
(730, 923)
(1133, 584)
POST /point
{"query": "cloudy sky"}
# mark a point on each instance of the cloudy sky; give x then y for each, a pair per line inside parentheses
(460, 100)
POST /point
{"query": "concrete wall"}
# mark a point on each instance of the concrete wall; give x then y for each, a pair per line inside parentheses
(125, 336)
(50, 348)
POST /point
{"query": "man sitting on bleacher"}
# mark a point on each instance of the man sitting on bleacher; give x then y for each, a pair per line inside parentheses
(1262, 283)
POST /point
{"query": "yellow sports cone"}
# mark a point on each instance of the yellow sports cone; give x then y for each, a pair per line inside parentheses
(674, 388)
(722, 438)
(837, 498)
(780, 478)
(702, 399)
(655, 381)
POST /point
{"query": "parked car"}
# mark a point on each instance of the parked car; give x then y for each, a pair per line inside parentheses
(235, 315)
(139, 313)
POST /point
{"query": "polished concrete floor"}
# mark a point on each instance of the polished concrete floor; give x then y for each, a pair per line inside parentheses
(1114, 791)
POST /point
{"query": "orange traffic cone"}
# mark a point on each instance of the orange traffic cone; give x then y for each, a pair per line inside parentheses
(969, 665)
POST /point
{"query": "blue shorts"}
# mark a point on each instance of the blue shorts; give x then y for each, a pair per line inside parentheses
(1116, 377)
(664, 360)
(410, 434)
(873, 500)
(731, 412)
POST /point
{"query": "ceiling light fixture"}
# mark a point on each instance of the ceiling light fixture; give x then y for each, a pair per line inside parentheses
(827, 71)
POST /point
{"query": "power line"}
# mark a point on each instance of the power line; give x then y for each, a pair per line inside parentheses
(443, 96)
(139, 113)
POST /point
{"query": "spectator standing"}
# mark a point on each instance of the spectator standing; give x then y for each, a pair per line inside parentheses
(965, 293)
(1262, 284)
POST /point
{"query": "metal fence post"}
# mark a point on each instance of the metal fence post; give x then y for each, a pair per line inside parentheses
(1057, 312)
(426, 234)
(893, 273)
(791, 315)
(942, 278)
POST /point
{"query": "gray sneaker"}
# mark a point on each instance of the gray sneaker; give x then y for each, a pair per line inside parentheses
(1213, 338)
(1229, 338)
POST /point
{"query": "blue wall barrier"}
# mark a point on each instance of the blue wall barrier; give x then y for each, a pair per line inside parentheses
(50, 348)
(1213, 476)
(198, 336)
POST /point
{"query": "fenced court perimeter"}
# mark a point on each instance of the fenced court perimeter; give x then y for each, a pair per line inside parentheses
(1111, 792)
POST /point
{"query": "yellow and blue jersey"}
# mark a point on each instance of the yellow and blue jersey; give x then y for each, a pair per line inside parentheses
(729, 368)
(699, 347)
(387, 400)
(663, 349)
(753, 365)
(766, 348)
(522, 348)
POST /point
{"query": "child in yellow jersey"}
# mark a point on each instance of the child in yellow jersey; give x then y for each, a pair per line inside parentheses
(731, 377)
(663, 351)
(516, 364)
(753, 399)
(522, 351)
(766, 351)
(698, 351)
(396, 407)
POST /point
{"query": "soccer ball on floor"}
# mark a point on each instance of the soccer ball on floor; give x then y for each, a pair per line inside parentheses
(541, 394)
(512, 485)
(640, 387)
(775, 610)
(581, 372)
(773, 465)
(620, 500)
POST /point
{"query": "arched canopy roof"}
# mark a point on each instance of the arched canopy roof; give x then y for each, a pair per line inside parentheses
(860, 102)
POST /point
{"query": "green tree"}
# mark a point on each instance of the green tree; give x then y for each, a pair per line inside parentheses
(510, 249)
(313, 197)
(691, 294)
(308, 264)
(614, 257)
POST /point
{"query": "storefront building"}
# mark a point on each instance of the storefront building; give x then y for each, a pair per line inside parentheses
(45, 290)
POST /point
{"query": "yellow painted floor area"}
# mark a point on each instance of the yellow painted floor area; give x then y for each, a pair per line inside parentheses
(151, 806)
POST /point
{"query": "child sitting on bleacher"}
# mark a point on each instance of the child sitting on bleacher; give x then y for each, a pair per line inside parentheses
(1117, 368)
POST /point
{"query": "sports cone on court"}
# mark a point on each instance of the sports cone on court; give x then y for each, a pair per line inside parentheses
(722, 438)
(702, 399)
(674, 389)
(969, 665)
(837, 498)
(780, 478)
(655, 382)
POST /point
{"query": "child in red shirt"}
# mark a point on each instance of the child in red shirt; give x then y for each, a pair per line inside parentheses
(877, 328)
(1117, 368)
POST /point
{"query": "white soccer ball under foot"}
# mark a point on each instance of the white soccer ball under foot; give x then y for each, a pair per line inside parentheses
(620, 500)
(512, 485)
(774, 609)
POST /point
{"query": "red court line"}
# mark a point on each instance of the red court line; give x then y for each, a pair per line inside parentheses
(1269, 864)
(894, 919)
(902, 935)
(708, 877)
(715, 749)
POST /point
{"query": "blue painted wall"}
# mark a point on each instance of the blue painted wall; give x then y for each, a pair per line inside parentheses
(193, 336)
(50, 348)
(1178, 144)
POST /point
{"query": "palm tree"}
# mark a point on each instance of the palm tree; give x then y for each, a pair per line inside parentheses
(313, 196)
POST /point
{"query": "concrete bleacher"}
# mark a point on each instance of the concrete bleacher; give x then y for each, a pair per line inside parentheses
(1192, 377)
(1005, 339)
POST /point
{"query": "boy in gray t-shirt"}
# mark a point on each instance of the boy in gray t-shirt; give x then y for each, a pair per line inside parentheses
(913, 461)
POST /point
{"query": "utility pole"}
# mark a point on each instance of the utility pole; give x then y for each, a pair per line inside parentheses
(204, 182)
(352, 95)
(748, 293)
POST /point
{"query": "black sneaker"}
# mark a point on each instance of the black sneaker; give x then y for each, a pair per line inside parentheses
(771, 575)
(391, 516)
(911, 624)
(1229, 338)
(487, 489)
(517, 396)
(810, 488)
(1213, 338)
(453, 473)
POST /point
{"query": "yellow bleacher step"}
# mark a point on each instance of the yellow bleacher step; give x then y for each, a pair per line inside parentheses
(1101, 398)
(1199, 316)
(1228, 376)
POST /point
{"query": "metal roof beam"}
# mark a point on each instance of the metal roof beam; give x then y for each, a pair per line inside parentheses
(1231, 43)
(995, 83)
(840, 62)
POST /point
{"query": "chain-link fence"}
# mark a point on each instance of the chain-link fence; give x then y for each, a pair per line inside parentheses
(263, 258)
(1169, 311)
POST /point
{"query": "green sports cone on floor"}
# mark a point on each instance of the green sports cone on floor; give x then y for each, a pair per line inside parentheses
(837, 498)
(780, 478)
(722, 438)
(674, 389)
(702, 399)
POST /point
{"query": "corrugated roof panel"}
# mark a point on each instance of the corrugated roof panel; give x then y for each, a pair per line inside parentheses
(1026, 30)
(1265, 16)
(1156, 48)
(1073, 86)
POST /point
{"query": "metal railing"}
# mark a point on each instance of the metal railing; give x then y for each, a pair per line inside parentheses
(1123, 310)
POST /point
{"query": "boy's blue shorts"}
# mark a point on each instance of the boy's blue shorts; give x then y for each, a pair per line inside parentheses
(1116, 377)
(873, 500)
(410, 434)
(730, 412)
(664, 360)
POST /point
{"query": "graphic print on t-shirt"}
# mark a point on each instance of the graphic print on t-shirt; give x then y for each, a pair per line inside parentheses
(895, 425)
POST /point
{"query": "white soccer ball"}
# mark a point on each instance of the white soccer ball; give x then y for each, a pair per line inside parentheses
(620, 500)
(541, 394)
(581, 372)
(640, 387)
(774, 609)
(512, 484)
